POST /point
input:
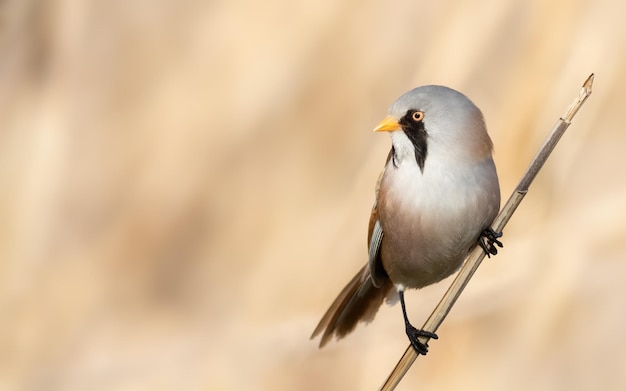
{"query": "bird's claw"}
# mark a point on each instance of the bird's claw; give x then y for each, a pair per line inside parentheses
(414, 334)
(488, 240)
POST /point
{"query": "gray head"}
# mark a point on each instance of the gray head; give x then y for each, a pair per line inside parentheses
(437, 121)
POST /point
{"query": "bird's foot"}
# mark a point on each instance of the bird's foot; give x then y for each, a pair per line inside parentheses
(414, 334)
(488, 240)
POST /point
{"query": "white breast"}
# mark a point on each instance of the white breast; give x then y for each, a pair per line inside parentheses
(431, 218)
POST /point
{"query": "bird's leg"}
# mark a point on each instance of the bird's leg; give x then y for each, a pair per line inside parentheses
(487, 239)
(413, 333)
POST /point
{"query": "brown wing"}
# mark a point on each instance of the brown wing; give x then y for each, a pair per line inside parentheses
(375, 237)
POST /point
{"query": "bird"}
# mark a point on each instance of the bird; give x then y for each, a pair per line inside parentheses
(435, 199)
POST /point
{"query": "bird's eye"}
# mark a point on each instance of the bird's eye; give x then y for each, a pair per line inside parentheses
(417, 116)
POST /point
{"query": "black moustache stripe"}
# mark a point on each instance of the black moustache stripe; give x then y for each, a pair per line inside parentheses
(417, 134)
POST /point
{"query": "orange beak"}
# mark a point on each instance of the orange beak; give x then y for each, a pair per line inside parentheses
(389, 124)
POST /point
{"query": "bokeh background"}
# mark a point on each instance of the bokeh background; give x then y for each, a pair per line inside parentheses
(185, 187)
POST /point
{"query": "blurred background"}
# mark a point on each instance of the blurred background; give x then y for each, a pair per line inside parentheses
(186, 186)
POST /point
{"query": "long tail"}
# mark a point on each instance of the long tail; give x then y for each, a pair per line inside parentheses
(357, 302)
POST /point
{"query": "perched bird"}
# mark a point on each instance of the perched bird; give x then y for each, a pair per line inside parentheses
(436, 197)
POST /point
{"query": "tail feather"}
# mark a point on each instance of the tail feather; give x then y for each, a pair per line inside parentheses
(357, 302)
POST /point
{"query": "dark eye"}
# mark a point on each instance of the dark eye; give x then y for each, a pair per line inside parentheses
(417, 116)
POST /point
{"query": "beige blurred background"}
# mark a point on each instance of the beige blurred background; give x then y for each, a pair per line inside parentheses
(185, 187)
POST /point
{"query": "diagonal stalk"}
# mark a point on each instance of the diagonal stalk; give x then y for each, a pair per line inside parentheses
(477, 254)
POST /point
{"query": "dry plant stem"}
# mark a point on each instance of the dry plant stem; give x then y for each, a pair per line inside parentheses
(477, 254)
